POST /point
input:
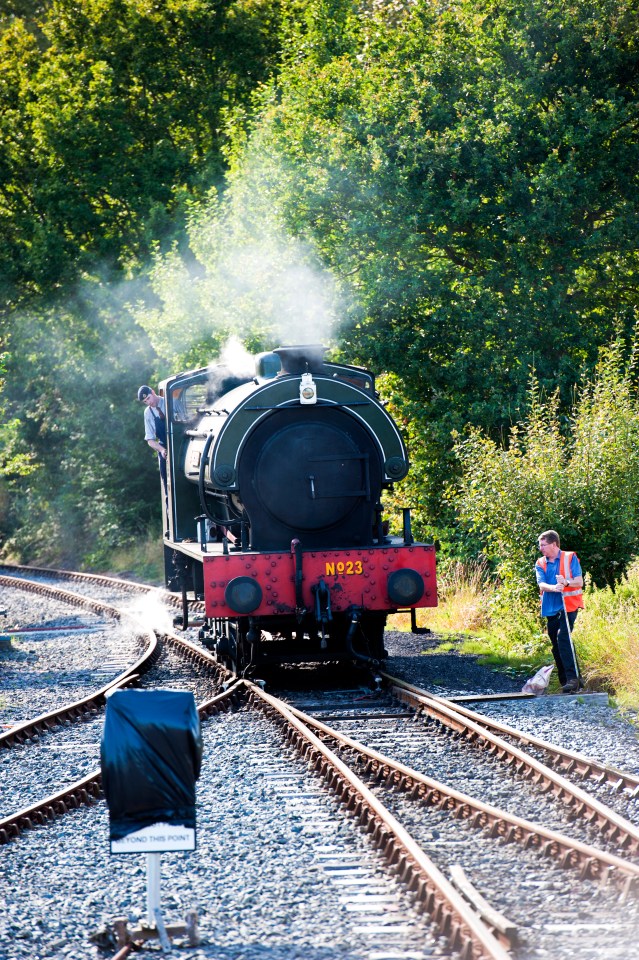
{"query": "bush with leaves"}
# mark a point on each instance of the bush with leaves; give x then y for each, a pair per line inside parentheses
(579, 478)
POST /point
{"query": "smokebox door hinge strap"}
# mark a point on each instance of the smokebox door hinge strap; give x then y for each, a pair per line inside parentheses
(296, 550)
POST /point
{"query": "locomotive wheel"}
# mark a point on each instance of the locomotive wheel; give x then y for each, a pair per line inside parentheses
(373, 626)
(238, 656)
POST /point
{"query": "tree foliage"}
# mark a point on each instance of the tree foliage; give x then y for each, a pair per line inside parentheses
(75, 437)
(112, 122)
(112, 116)
(470, 171)
(457, 183)
(580, 481)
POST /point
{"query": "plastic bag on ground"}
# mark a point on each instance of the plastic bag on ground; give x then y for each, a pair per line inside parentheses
(539, 682)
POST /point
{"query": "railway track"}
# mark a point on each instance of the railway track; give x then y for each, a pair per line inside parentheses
(453, 918)
(587, 860)
(88, 708)
(465, 927)
(87, 705)
(113, 585)
(91, 704)
(362, 778)
(612, 828)
(448, 910)
(469, 724)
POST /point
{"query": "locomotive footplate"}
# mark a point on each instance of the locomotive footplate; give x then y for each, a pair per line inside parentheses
(378, 578)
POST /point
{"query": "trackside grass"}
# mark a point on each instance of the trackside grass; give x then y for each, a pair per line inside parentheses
(143, 559)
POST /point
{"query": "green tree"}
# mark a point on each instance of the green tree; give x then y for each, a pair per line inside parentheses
(111, 122)
(75, 437)
(112, 118)
(580, 481)
(469, 172)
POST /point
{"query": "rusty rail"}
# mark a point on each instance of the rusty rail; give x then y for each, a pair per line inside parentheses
(450, 914)
(613, 827)
(591, 862)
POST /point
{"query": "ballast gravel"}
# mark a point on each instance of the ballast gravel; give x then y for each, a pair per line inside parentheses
(265, 879)
(278, 874)
(55, 653)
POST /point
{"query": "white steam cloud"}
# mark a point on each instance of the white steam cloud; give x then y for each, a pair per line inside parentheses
(151, 612)
(247, 277)
(234, 361)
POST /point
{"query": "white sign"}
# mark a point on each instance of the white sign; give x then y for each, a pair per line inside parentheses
(157, 838)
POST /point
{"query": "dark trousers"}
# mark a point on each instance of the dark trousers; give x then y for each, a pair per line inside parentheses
(561, 648)
(162, 463)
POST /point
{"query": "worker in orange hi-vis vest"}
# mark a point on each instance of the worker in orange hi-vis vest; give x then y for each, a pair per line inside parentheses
(560, 582)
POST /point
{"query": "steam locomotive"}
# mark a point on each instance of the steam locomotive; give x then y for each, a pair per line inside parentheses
(274, 517)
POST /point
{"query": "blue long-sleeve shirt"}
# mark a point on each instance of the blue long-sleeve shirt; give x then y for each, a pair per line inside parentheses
(552, 603)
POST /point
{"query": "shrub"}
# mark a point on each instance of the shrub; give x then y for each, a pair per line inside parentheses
(578, 477)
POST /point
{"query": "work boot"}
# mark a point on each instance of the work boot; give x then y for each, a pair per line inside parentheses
(572, 686)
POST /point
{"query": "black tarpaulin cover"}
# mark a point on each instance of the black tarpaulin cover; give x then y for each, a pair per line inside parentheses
(151, 754)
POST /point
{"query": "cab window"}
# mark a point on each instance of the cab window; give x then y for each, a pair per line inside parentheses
(188, 400)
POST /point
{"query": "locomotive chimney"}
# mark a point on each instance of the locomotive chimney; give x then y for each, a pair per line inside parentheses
(307, 358)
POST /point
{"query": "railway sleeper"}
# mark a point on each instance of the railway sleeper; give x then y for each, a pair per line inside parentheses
(496, 829)
(373, 829)
(606, 876)
(459, 940)
(631, 887)
(388, 845)
(384, 838)
(589, 869)
(562, 765)
(444, 922)
(467, 950)
(410, 875)
(532, 841)
(421, 890)
(548, 848)
(397, 854)
(401, 865)
(567, 858)
(414, 789)
(546, 786)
